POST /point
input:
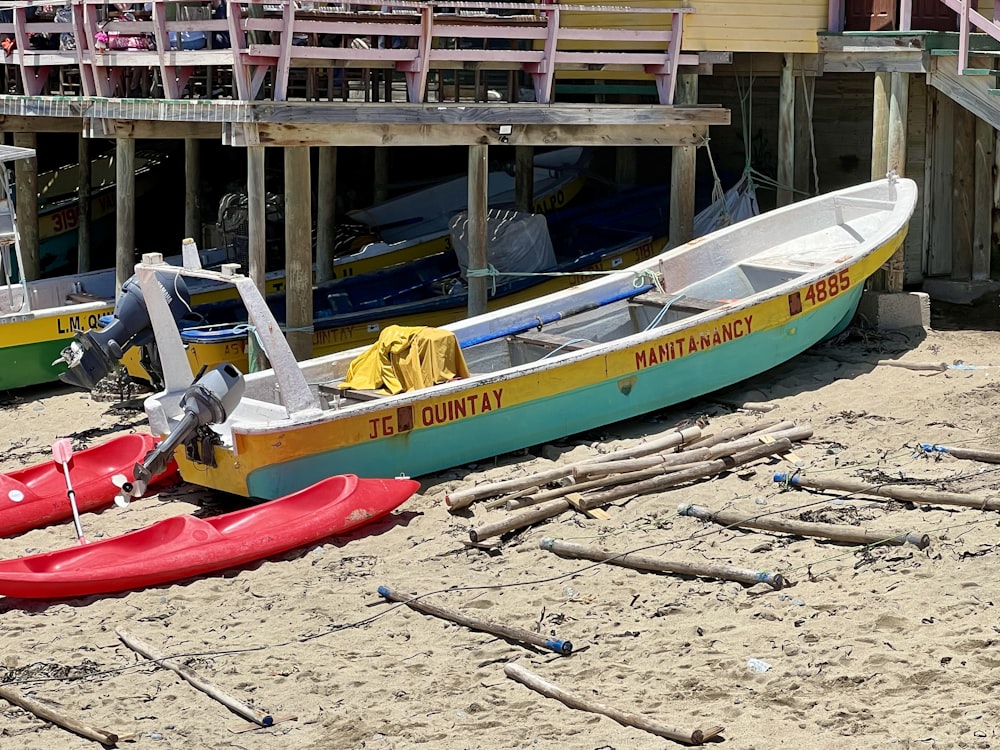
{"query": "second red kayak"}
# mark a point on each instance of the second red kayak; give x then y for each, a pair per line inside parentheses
(36, 495)
(185, 546)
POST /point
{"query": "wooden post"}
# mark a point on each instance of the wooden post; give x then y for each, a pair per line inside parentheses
(83, 235)
(938, 181)
(627, 163)
(524, 178)
(963, 194)
(298, 252)
(899, 98)
(682, 171)
(804, 140)
(380, 175)
(26, 192)
(835, 17)
(478, 207)
(786, 131)
(125, 191)
(256, 238)
(326, 213)
(982, 231)
(880, 126)
(192, 181)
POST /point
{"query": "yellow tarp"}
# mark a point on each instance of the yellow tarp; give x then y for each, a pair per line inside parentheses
(406, 358)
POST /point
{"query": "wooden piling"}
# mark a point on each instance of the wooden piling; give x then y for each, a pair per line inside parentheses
(504, 631)
(625, 718)
(125, 202)
(903, 493)
(656, 564)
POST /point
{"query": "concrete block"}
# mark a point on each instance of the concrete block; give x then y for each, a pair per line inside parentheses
(892, 311)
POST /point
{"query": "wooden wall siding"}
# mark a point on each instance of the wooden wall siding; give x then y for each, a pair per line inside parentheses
(770, 26)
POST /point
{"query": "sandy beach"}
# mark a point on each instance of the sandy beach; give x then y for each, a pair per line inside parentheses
(873, 646)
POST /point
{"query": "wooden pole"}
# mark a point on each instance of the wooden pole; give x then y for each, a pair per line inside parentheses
(192, 184)
(971, 454)
(463, 498)
(892, 492)
(831, 531)
(625, 718)
(804, 137)
(683, 161)
(26, 192)
(48, 713)
(627, 161)
(504, 631)
(478, 208)
(195, 680)
(256, 239)
(380, 174)
(963, 194)
(786, 131)
(656, 564)
(555, 507)
(524, 178)
(899, 112)
(84, 257)
(326, 213)
(983, 201)
(880, 126)
(125, 191)
(298, 252)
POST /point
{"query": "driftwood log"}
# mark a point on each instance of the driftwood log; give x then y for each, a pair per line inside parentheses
(646, 562)
(904, 493)
(237, 706)
(48, 713)
(625, 718)
(464, 498)
(509, 632)
(831, 531)
(555, 507)
(969, 454)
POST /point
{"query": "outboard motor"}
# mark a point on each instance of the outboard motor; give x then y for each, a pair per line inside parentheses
(209, 400)
(93, 354)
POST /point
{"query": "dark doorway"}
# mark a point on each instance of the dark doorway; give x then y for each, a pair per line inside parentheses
(872, 15)
(933, 15)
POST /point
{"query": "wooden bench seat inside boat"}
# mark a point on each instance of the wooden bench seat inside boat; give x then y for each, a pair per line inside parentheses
(683, 303)
(350, 394)
(553, 341)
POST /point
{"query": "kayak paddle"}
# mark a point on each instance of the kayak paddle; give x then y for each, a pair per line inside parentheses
(62, 452)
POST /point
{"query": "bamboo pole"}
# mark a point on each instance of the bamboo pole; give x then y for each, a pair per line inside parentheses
(237, 706)
(48, 713)
(625, 718)
(555, 507)
(970, 454)
(465, 497)
(734, 433)
(645, 562)
(699, 454)
(509, 632)
(832, 531)
(893, 492)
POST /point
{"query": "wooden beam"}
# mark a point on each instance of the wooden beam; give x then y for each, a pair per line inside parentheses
(899, 107)
(524, 178)
(963, 193)
(478, 207)
(804, 136)
(298, 252)
(125, 223)
(786, 132)
(982, 240)
(471, 135)
(380, 175)
(940, 138)
(26, 197)
(683, 159)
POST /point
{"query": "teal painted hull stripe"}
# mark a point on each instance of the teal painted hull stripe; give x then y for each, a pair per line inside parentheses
(434, 449)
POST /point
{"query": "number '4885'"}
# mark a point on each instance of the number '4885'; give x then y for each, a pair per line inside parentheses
(831, 286)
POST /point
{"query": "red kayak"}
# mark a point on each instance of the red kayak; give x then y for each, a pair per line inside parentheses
(185, 546)
(36, 496)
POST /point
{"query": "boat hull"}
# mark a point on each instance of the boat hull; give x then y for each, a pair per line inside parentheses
(185, 546)
(529, 409)
(37, 495)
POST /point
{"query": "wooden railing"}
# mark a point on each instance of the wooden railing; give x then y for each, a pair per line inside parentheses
(269, 38)
(969, 18)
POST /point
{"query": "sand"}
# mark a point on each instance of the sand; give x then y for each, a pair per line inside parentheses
(886, 646)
